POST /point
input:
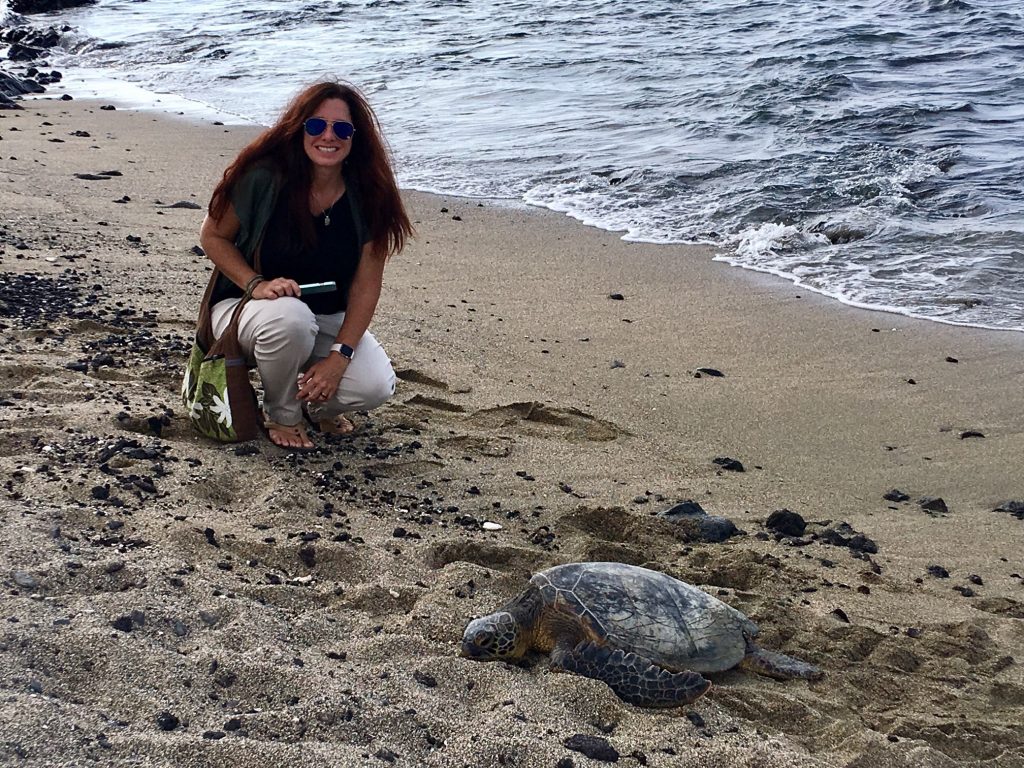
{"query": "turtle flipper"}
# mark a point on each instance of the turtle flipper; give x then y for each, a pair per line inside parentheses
(634, 679)
(778, 665)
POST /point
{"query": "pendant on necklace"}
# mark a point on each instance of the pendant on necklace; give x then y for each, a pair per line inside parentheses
(327, 217)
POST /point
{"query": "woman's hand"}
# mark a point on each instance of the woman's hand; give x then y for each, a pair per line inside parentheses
(276, 288)
(320, 381)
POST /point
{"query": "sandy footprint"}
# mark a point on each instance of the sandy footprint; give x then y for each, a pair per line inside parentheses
(534, 417)
(414, 376)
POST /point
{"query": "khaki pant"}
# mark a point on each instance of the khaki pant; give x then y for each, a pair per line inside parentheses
(282, 337)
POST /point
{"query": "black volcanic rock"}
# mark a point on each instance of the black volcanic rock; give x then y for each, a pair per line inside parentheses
(45, 6)
(1015, 508)
(733, 465)
(843, 535)
(896, 495)
(933, 504)
(22, 52)
(699, 524)
(785, 522)
(594, 747)
(18, 86)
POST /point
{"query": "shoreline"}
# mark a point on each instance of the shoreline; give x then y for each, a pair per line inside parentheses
(97, 82)
(300, 606)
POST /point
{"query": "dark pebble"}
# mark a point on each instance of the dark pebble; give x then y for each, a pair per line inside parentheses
(971, 433)
(715, 529)
(696, 719)
(594, 747)
(606, 726)
(965, 591)
(913, 632)
(933, 504)
(1015, 508)
(731, 465)
(840, 614)
(896, 495)
(616, 297)
(787, 523)
(709, 372)
(214, 735)
(427, 681)
(688, 508)
(938, 572)
(165, 721)
(844, 536)
(233, 724)
(122, 623)
(386, 755)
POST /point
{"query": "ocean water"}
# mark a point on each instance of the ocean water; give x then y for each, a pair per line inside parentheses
(871, 151)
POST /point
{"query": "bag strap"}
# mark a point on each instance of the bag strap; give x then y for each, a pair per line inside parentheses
(204, 325)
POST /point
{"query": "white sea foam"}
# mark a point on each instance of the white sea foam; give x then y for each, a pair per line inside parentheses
(874, 183)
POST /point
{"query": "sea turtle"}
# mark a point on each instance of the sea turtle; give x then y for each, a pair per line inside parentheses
(646, 634)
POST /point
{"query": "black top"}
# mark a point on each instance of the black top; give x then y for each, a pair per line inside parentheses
(334, 257)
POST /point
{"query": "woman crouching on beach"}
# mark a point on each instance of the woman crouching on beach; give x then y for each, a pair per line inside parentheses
(313, 200)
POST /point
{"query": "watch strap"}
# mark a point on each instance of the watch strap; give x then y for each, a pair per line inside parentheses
(343, 349)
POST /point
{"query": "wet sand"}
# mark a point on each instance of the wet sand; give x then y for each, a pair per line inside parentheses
(171, 601)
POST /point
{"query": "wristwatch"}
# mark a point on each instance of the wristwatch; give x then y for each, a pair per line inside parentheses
(343, 349)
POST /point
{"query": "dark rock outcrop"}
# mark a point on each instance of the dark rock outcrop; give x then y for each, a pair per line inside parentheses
(698, 524)
(45, 6)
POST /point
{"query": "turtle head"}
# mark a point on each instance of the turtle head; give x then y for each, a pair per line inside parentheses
(493, 637)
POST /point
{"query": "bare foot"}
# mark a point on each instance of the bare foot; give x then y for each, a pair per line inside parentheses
(285, 436)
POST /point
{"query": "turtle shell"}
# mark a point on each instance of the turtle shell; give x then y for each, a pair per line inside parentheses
(672, 623)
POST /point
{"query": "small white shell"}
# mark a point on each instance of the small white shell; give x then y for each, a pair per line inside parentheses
(489, 526)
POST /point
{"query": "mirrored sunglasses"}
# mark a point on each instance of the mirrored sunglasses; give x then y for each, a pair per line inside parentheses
(342, 130)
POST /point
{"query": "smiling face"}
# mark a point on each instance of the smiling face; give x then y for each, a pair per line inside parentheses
(327, 150)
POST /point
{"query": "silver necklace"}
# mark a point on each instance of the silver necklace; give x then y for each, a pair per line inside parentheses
(326, 212)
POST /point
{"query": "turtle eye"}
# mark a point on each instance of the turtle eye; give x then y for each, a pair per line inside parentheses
(483, 640)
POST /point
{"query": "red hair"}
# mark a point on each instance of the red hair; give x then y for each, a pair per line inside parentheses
(368, 164)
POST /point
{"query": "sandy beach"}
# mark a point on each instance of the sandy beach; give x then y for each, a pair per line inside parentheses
(169, 601)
